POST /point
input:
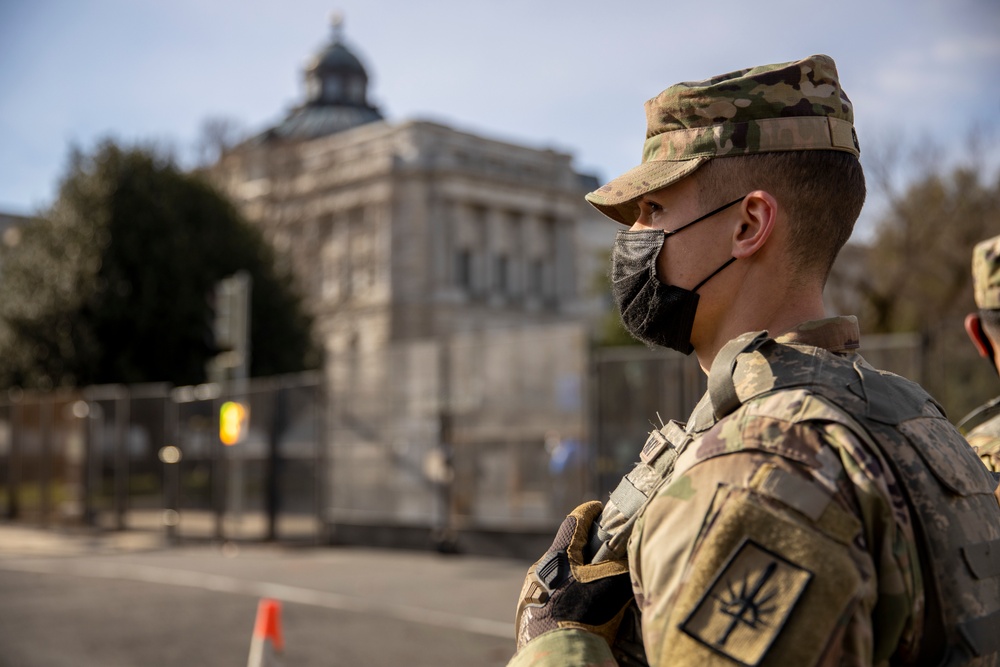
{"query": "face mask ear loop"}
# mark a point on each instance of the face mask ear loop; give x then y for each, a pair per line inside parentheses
(712, 275)
(707, 215)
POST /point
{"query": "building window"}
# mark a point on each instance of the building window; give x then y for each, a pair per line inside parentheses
(362, 257)
(332, 283)
(334, 265)
(356, 90)
(515, 245)
(535, 273)
(502, 275)
(362, 266)
(333, 89)
(463, 269)
(541, 281)
(326, 225)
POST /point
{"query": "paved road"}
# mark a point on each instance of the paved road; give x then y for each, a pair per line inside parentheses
(129, 599)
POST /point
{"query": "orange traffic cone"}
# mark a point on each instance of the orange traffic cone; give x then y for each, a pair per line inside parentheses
(267, 641)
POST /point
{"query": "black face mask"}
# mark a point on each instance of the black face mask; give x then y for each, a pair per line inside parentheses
(655, 313)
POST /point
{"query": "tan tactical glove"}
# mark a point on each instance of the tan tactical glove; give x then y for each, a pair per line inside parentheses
(561, 591)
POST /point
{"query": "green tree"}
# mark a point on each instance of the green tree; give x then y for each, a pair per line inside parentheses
(915, 274)
(113, 283)
(920, 258)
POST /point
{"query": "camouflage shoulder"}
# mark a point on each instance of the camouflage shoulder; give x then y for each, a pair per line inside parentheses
(565, 647)
(985, 439)
(769, 423)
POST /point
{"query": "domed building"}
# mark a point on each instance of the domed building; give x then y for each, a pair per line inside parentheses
(336, 94)
(449, 277)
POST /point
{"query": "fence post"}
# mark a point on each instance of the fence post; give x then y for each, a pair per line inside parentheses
(91, 462)
(444, 533)
(45, 401)
(14, 473)
(323, 469)
(278, 425)
(121, 457)
(171, 456)
(218, 472)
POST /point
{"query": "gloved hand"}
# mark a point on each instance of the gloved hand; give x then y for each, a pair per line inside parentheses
(561, 591)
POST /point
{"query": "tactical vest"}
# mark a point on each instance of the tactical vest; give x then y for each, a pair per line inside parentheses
(948, 490)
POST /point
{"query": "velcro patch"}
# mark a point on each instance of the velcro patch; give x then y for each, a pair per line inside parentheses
(744, 609)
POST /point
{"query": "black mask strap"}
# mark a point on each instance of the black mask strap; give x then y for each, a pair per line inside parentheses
(712, 275)
(707, 215)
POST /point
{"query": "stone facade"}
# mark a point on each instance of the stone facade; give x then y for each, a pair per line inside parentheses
(416, 230)
(451, 278)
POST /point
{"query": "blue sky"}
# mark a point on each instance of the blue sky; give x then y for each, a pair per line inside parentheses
(565, 75)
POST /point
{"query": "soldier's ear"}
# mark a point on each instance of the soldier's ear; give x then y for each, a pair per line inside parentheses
(758, 213)
(974, 327)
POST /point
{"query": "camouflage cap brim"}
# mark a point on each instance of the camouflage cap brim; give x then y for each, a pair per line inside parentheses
(618, 199)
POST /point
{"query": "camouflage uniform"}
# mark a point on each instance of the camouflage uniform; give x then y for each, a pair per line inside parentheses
(982, 426)
(817, 512)
(785, 535)
(985, 438)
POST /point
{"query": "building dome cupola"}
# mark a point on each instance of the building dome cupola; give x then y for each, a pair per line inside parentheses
(335, 76)
(336, 94)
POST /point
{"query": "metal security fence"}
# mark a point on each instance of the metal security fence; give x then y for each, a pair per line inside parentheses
(491, 432)
(266, 486)
(42, 456)
(483, 431)
(149, 456)
(637, 390)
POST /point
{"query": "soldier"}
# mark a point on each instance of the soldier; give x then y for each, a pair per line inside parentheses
(982, 426)
(812, 510)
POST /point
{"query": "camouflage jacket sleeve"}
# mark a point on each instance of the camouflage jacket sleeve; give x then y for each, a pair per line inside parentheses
(985, 439)
(779, 541)
(566, 648)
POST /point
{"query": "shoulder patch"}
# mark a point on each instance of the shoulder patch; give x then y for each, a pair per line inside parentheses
(764, 585)
(748, 603)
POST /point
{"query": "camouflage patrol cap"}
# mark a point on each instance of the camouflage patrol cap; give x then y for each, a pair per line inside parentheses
(792, 106)
(986, 273)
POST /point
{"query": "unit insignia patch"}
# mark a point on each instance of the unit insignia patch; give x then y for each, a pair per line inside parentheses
(745, 607)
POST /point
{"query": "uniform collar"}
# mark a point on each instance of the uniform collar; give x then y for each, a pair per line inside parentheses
(836, 334)
(727, 385)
